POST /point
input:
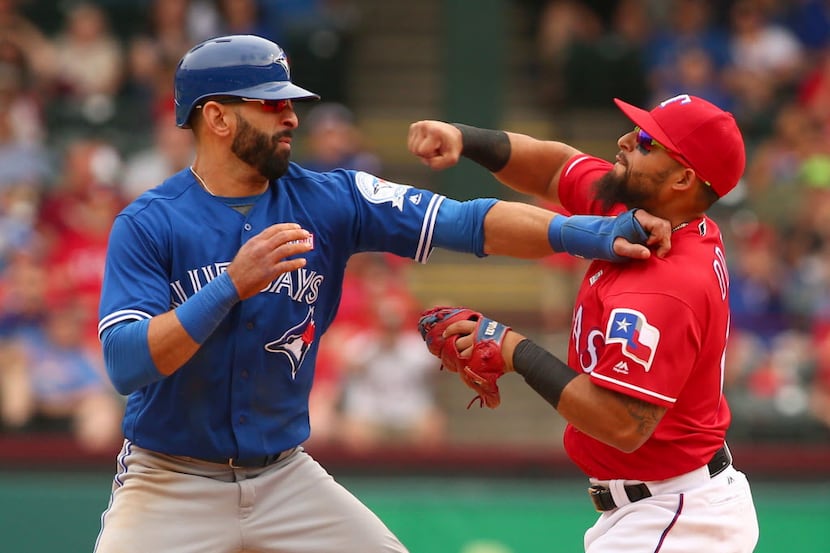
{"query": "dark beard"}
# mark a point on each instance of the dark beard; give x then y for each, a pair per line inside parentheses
(611, 190)
(259, 150)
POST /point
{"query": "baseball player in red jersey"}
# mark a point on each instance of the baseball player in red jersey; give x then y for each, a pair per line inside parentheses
(643, 387)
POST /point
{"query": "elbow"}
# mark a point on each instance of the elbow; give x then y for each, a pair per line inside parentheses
(628, 438)
(630, 444)
(121, 385)
(127, 357)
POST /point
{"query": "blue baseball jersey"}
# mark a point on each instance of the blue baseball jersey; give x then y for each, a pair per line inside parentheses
(245, 391)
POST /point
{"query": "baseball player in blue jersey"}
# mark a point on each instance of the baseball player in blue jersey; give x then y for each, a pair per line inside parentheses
(218, 286)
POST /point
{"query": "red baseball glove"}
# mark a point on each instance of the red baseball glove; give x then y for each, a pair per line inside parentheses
(484, 367)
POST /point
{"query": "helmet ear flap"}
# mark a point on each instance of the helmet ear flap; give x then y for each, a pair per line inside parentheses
(236, 65)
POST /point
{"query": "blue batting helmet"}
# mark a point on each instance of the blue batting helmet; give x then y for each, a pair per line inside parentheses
(239, 65)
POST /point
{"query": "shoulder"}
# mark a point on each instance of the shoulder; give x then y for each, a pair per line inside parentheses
(576, 190)
(171, 188)
(297, 173)
(584, 164)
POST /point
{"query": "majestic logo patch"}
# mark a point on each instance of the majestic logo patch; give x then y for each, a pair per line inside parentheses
(638, 338)
(379, 191)
(295, 343)
(621, 367)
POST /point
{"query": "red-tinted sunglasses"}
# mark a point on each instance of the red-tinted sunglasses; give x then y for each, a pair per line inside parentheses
(268, 106)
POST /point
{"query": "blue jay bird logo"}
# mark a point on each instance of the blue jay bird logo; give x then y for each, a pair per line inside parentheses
(295, 343)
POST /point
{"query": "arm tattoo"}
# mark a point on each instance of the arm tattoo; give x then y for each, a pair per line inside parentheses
(647, 415)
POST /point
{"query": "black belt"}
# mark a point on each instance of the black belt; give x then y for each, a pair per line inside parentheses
(250, 462)
(604, 501)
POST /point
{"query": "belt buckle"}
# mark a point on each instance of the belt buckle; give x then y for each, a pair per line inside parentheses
(230, 464)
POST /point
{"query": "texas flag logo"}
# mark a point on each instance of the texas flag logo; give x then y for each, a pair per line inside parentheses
(638, 338)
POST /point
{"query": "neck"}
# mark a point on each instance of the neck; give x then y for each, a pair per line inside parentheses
(225, 183)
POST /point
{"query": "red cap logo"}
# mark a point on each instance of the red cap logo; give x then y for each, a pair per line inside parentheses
(700, 133)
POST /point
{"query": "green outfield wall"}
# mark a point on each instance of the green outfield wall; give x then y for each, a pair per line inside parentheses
(59, 512)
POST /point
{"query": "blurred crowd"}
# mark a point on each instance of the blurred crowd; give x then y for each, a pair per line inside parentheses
(86, 125)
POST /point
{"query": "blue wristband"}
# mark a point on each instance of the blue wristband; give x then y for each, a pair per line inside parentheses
(592, 236)
(204, 310)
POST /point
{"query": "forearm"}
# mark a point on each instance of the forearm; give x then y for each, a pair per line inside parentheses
(517, 230)
(170, 344)
(528, 232)
(614, 419)
(142, 352)
(521, 162)
(139, 353)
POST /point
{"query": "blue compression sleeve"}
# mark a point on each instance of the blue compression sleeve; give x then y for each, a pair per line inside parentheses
(127, 356)
(592, 236)
(203, 311)
(459, 226)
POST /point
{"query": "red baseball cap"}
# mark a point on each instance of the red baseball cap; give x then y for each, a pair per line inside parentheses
(699, 133)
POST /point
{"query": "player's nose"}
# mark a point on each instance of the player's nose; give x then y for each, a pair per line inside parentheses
(627, 142)
(289, 118)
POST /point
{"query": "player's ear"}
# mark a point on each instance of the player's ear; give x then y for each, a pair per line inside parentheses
(218, 118)
(684, 179)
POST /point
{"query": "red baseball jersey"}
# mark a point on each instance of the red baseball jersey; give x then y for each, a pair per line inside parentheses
(655, 330)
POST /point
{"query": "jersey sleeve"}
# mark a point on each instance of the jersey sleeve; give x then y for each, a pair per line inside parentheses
(135, 283)
(395, 218)
(652, 341)
(576, 186)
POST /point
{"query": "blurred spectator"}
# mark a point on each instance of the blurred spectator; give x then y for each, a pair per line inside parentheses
(176, 25)
(810, 21)
(25, 164)
(368, 277)
(28, 38)
(87, 67)
(819, 396)
(768, 358)
(335, 141)
(561, 24)
(48, 381)
(172, 150)
(767, 62)
(760, 46)
(145, 95)
(697, 74)
(74, 223)
(317, 36)
(20, 100)
(778, 158)
(389, 388)
(690, 27)
(814, 91)
(244, 17)
(614, 56)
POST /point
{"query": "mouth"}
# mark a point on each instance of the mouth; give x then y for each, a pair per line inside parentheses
(621, 160)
